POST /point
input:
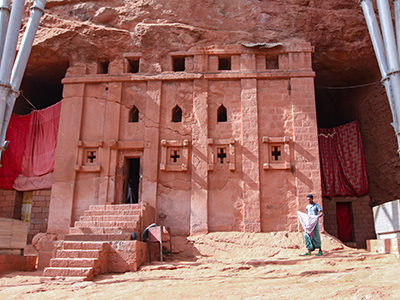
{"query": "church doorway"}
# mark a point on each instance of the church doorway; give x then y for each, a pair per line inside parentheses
(132, 180)
(344, 221)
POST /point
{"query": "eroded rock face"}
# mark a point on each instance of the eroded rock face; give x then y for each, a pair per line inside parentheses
(79, 31)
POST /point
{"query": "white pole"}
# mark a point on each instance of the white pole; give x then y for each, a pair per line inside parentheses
(7, 59)
(396, 4)
(21, 61)
(392, 55)
(389, 39)
(375, 34)
(387, 56)
(4, 18)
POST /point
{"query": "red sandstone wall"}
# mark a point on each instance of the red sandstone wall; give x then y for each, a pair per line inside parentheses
(39, 212)
(7, 203)
(225, 196)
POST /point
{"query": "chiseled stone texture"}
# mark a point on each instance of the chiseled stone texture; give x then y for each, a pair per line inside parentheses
(200, 170)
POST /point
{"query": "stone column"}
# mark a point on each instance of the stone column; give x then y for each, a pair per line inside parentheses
(111, 134)
(199, 168)
(306, 152)
(250, 156)
(62, 194)
(151, 143)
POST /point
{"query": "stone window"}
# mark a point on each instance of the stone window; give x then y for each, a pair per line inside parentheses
(133, 65)
(224, 63)
(178, 64)
(272, 62)
(134, 115)
(91, 156)
(174, 155)
(103, 66)
(221, 154)
(221, 114)
(88, 153)
(176, 114)
(276, 152)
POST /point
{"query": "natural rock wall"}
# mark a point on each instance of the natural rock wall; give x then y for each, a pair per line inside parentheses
(75, 30)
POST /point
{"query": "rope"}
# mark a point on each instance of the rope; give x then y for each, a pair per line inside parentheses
(348, 87)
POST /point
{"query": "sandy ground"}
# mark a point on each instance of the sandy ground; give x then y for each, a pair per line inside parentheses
(232, 266)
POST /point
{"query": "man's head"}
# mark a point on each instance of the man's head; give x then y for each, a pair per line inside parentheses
(310, 198)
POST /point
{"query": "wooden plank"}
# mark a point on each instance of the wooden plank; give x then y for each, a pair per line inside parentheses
(13, 233)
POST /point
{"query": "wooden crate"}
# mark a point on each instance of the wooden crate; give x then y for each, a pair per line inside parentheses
(13, 233)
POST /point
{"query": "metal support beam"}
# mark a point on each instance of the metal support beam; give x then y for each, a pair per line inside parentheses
(4, 18)
(20, 65)
(387, 56)
(7, 59)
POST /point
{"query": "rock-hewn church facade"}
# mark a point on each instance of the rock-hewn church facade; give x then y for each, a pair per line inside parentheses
(222, 138)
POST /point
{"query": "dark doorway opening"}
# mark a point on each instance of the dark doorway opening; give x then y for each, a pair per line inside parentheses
(344, 221)
(133, 180)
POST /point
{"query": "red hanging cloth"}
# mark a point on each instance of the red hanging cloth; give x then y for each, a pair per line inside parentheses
(343, 169)
(41, 142)
(11, 159)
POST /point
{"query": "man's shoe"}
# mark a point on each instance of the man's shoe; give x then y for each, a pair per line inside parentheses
(319, 253)
(305, 254)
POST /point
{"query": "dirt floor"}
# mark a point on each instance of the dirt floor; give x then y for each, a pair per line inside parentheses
(232, 266)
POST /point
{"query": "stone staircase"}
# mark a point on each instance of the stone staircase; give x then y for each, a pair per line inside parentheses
(86, 250)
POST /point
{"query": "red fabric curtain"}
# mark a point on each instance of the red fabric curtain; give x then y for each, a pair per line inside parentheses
(41, 142)
(343, 170)
(11, 159)
(32, 147)
(343, 221)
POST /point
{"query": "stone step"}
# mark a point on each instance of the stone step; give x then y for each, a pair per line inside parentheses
(119, 224)
(73, 262)
(112, 207)
(98, 237)
(98, 230)
(83, 245)
(127, 212)
(64, 279)
(131, 218)
(78, 253)
(70, 272)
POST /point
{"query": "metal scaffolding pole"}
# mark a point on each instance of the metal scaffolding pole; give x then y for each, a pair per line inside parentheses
(7, 59)
(387, 56)
(4, 18)
(21, 61)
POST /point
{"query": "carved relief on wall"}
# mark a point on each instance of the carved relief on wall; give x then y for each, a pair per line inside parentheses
(276, 152)
(221, 154)
(88, 156)
(174, 155)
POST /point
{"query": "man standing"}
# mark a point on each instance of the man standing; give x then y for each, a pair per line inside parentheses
(313, 240)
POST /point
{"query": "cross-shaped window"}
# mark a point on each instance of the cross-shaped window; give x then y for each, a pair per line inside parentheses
(276, 152)
(174, 155)
(91, 156)
(221, 155)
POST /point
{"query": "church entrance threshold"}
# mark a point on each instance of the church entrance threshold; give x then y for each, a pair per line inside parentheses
(132, 180)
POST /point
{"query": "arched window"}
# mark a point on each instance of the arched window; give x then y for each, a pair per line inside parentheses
(176, 114)
(221, 114)
(134, 115)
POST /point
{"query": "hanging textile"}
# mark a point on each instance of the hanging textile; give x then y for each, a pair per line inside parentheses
(343, 221)
(42, 140)
(343, 169)
(11, 159)
(31, 151)
(23, 183)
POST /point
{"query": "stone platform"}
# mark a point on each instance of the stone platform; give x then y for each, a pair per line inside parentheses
(384, 246)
